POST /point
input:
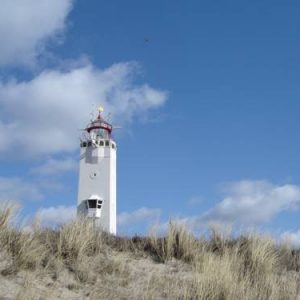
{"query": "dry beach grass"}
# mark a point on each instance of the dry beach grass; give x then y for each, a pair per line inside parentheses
(77, 262)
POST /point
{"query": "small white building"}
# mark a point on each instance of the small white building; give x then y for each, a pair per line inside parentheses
(97, 175)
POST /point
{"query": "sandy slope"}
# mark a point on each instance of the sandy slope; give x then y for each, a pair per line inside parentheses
(120, 276)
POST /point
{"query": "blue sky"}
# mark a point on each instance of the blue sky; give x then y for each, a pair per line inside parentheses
(207, 93)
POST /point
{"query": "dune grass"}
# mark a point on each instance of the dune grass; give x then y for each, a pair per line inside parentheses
(77, 262)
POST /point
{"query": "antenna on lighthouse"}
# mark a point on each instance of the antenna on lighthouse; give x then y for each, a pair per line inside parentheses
(92, 116)
(108, 118)
(92, 113)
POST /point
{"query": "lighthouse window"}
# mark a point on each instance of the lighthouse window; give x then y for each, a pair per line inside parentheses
(92, 203)
(106, 143)
(83, 144)
(101, 143)
(89, 144)
(113, 146)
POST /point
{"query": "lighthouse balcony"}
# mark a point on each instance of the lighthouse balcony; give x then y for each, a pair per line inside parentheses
(94, 207)
(98, 143)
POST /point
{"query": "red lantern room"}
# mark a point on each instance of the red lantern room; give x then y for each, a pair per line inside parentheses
(99, 128)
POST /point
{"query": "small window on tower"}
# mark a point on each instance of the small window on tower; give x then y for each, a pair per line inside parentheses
(99, 204)
(106, 143)
(89, 144)
(83, 144)
(92, 203)
(101, 143)
(113, 145)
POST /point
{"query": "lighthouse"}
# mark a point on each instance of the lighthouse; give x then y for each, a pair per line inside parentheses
(97, 174)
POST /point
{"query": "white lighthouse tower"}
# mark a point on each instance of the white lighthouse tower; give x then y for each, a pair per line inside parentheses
(97, 175)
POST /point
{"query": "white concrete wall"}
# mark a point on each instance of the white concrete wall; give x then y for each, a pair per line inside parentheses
(97, 175)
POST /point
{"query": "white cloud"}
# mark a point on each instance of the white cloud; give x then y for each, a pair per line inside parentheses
(14, 188)
(43, 115)
(292, 238)
(252, 202)
(55, 167)
(53, 216)
(57, 215)
(141, 215)
(194, 201)
(25, 26)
